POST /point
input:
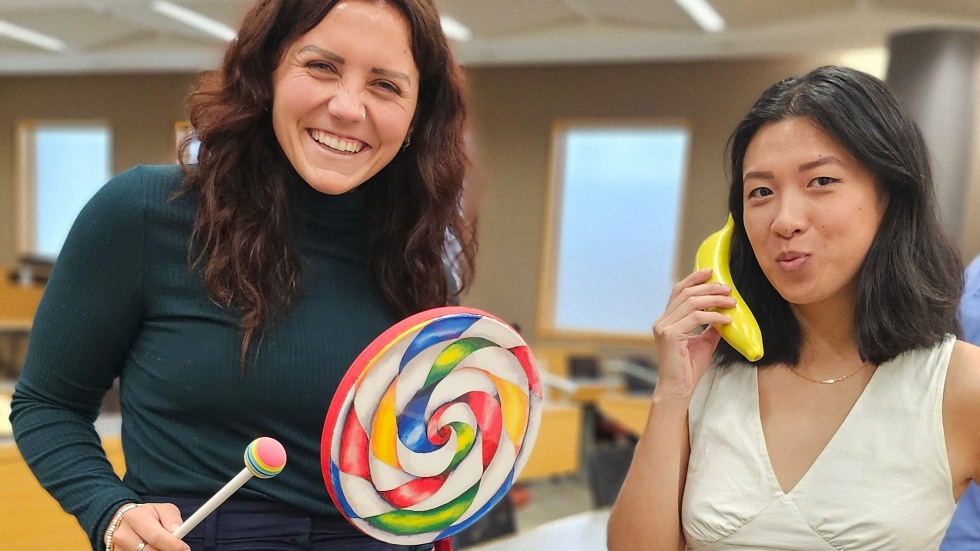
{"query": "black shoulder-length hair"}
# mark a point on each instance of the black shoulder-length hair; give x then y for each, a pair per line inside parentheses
(911, 279)
(242, 233)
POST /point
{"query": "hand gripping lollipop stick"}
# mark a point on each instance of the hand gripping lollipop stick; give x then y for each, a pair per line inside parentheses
(264, 458)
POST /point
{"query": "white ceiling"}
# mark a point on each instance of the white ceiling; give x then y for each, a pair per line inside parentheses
(128, 35)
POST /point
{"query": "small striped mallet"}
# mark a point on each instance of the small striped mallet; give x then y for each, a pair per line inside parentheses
(264, 458)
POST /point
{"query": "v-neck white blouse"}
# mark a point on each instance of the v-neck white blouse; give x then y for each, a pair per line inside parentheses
(882, 482)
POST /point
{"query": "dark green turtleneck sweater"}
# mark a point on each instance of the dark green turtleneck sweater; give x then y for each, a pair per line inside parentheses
(122, 302)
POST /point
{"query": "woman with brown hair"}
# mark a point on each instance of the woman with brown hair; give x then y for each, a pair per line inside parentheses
(230, 296)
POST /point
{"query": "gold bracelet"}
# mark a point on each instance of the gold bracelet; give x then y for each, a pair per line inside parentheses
(116, 521)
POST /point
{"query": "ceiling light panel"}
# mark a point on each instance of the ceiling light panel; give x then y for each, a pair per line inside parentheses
(508, 18)
(704, 14)
(31, 37)
(454, 29)
(195, 20)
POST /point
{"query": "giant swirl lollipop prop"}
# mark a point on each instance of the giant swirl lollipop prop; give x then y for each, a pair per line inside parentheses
(431, 425)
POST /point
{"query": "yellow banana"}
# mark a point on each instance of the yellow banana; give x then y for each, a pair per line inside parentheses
(743, 332)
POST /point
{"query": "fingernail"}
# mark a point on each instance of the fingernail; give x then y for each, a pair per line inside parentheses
(174, 526)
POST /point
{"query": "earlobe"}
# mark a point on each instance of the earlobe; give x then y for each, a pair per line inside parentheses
(408, 138)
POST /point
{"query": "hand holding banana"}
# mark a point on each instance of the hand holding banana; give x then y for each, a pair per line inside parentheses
(743, 332)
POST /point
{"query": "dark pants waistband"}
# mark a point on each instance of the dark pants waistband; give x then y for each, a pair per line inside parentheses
(240, 525)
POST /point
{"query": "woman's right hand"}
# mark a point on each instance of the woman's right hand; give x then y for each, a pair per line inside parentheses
(646, 514)
(153, 523)
(683, 354)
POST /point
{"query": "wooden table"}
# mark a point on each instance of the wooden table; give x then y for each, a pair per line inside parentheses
(556, 450)
(32, 519)
(628, 410)
(18, 304)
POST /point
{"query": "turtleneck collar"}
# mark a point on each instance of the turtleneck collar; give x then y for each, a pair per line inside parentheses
(314, 205)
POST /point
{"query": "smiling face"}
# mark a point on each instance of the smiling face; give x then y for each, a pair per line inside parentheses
(812, 211)
(344, 95)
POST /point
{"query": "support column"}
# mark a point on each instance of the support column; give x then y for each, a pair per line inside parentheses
(936, 74)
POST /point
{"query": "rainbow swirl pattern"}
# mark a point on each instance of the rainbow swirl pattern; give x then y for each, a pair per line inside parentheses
(431, 425)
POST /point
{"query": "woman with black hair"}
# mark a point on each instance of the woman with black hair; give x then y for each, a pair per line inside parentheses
(860, 426)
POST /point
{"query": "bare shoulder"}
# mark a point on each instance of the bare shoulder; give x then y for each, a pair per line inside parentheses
(961, 409)
(963, 376)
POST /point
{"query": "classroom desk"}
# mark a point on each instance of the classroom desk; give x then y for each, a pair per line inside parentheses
(18, 304)
(628, 410)
(554, 363)
(6, 393)
(582, 532)
(32, 519)
(556, 450)
(590, 391)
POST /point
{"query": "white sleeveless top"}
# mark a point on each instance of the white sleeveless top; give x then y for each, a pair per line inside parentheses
(882, 482)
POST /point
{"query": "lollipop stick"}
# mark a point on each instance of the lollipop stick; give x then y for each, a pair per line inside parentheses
(224, 493)
(264, 458)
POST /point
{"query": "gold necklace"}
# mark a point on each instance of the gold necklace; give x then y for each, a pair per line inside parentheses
(827, 381)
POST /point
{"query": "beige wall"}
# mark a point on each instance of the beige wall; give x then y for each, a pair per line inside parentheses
(513, 109)
(140, 109)
(513, 112)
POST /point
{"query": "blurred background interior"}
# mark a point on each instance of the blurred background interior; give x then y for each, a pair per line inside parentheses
(598, 133)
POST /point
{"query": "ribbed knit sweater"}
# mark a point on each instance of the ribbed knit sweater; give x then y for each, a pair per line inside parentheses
(123, 302)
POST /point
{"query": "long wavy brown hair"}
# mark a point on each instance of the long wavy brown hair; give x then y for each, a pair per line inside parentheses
(243, 236)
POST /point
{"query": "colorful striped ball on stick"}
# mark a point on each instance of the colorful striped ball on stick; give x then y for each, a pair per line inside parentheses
(265, 457)
(431, 425)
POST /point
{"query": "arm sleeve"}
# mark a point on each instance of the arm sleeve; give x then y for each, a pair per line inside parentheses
(89, 316)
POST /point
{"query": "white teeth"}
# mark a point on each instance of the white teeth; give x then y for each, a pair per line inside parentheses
(333, 142)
